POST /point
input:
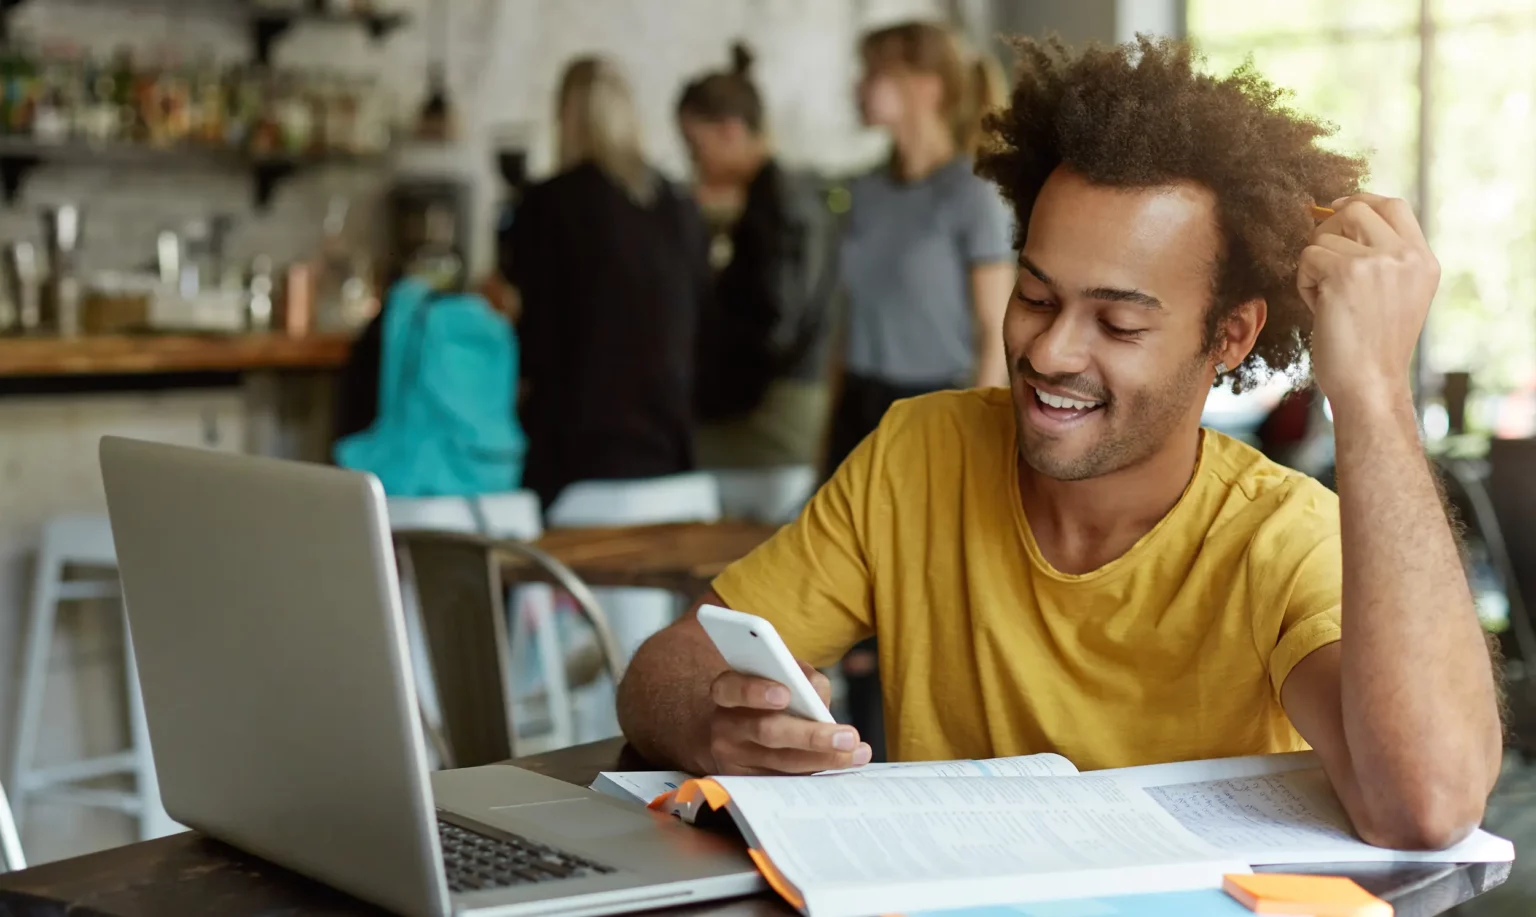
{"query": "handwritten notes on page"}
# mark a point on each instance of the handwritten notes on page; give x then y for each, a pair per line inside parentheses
(1295, 817)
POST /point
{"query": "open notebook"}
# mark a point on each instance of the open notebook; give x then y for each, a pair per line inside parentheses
(904, 838)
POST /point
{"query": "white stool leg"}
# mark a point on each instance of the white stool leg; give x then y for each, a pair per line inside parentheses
(11, 859)
(421, 665)
(634, 614)
(539, 605)
(517, 640)
(34, 681)
(153, 820)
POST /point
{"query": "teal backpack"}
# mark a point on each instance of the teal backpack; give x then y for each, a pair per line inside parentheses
(447, 423)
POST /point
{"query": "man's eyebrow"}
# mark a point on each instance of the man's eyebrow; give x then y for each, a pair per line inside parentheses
(1114, 294)
(1106, 294)
(1033, 268)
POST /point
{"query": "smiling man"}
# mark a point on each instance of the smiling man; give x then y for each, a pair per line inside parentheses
(1074, 565)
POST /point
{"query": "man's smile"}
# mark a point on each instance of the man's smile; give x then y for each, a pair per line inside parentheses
(1055, 409)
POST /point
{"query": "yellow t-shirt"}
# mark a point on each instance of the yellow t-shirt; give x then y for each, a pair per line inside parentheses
(1174, 651)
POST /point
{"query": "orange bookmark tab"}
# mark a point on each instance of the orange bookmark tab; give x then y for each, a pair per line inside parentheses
(714, 793)
(1318, 896)
(775, 879)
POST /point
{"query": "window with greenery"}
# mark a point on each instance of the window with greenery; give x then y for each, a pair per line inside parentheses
(1440, 95)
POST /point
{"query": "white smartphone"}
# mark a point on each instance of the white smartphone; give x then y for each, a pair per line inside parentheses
(751, 646)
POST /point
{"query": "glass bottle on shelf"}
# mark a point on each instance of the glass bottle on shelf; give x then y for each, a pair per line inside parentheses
(266, 134)
(315, 92)
(295, 117)
(175, 93)
(146, 99)
(156, 103)
(9, 64)
(104, 122)
(51, 117)
(242, 94)
(80, 95)
(123, 99)
(24, 89)
(371, 129)
(341, 133)
(75, 88)
(207, 97)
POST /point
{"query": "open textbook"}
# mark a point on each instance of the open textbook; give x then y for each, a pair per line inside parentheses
(1267, 810)
(845, 846)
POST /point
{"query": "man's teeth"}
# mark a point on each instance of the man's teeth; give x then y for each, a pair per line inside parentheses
(1071, 404)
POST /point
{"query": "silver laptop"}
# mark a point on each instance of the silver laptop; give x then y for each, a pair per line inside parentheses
(266, 620)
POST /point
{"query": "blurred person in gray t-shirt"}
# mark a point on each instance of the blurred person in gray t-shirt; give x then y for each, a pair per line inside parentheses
(927, 262)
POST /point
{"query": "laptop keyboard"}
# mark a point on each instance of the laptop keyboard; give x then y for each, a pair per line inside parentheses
(477, 861)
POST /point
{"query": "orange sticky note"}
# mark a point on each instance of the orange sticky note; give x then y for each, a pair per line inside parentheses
(1318, 896)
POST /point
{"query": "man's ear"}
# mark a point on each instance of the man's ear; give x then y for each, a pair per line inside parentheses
(1239, 331)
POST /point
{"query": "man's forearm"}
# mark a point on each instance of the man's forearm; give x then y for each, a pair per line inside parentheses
(664, 702)
(991, 289)
(1420, 717)
(991, 362)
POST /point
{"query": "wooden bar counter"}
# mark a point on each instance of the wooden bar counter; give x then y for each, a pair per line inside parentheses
(156, 354)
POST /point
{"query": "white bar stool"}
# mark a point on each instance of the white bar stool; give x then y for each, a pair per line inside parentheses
(774, 496)
(634, 614)
(85, 540)
(11, 859)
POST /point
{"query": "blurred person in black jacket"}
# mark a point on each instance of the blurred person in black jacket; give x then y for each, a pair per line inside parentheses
(764, 338)
(610, 263)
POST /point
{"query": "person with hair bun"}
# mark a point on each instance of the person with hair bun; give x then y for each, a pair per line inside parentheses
(765, 340)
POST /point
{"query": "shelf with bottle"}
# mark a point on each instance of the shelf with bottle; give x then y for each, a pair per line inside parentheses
(59, 105)
(270, 19)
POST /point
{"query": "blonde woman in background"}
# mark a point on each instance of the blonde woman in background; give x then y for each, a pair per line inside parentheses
(927, 261)
(611, 265)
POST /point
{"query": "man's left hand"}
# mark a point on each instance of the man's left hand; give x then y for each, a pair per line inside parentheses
(1368, 276)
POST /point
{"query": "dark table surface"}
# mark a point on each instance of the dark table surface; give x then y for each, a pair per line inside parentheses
(188, 875)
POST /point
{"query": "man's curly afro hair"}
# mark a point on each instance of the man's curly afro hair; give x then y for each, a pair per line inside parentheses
(1141, 115)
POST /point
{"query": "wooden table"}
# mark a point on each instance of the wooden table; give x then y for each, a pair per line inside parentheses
(188, 875)
(169, 353)
(684, 558)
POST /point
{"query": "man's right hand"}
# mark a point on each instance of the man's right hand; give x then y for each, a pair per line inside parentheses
(751, 734)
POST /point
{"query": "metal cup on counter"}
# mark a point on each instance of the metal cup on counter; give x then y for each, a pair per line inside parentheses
(62, 229)
(21, 281)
